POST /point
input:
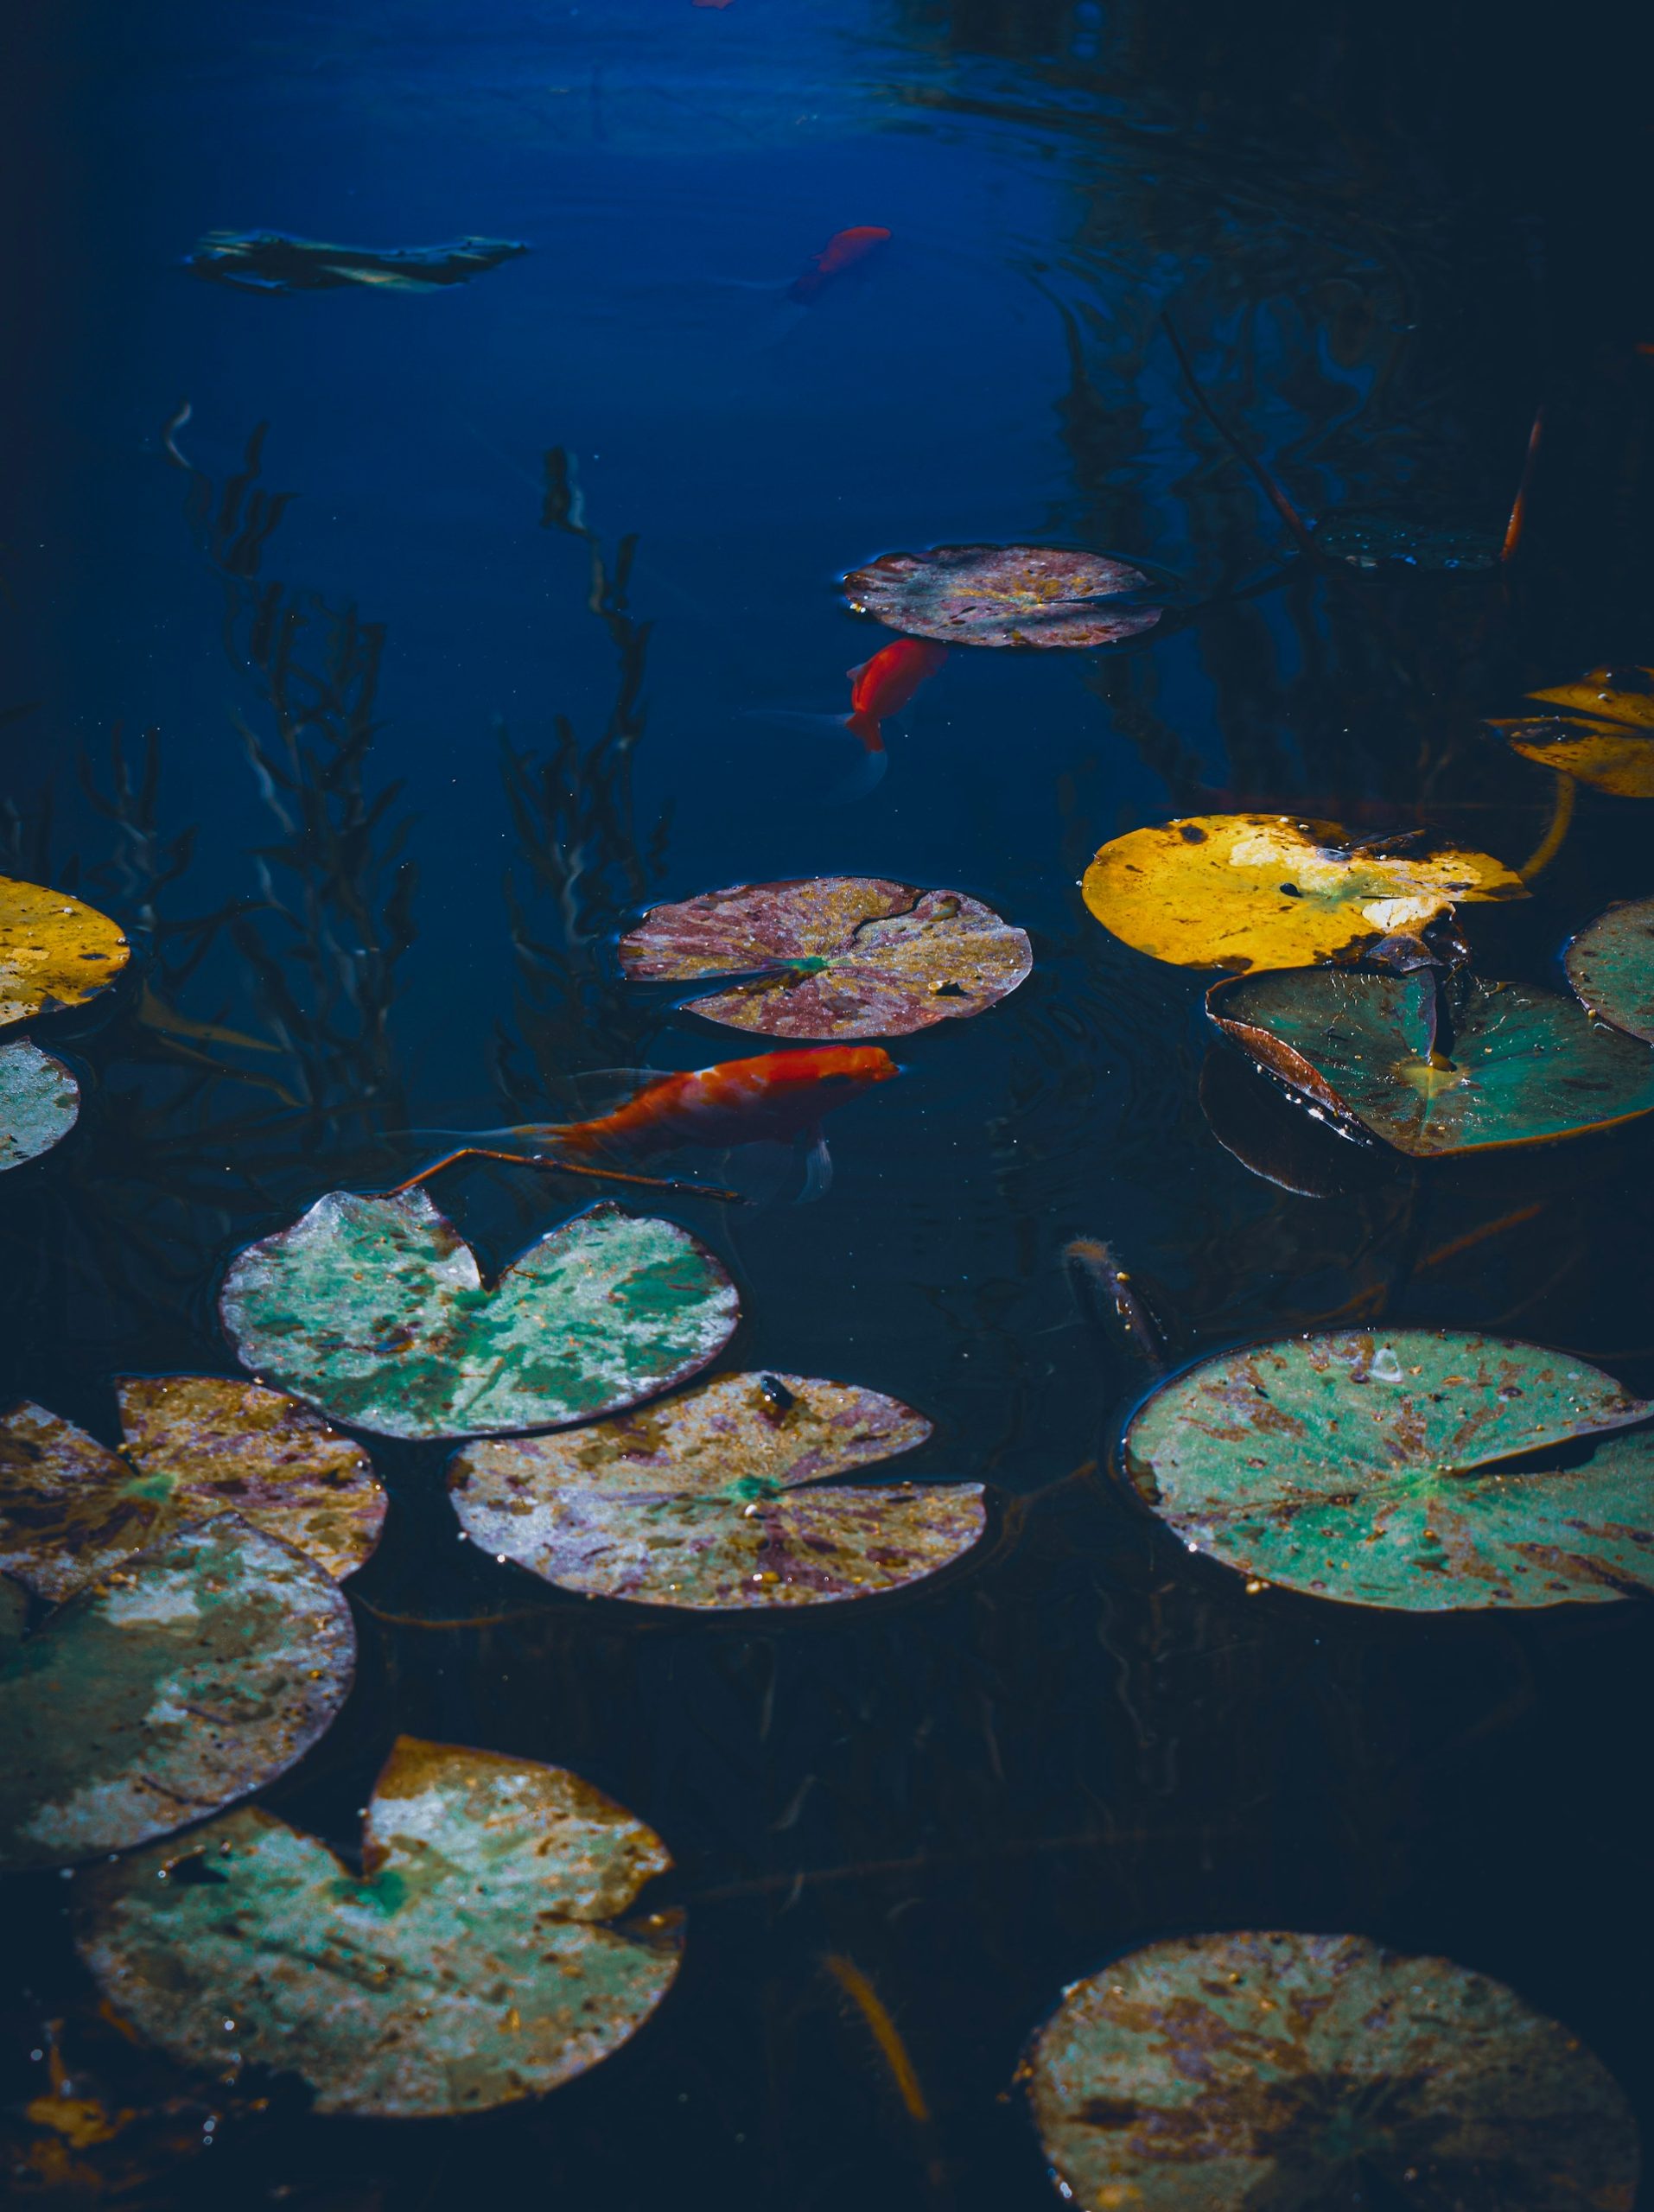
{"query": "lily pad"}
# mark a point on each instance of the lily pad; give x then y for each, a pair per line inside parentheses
(1375, 1468)
(697, 1503)
(54, 951)
(1004, 596)
(1611, 966)
(1461, 1065)
(194, 1445)
(1265, 2071)
(375, 1311)
(1379, 540)
(832, 956)
(1250, 891)
(40, 1103)
(183, 1678)
(476, 1962)
(1603, 736)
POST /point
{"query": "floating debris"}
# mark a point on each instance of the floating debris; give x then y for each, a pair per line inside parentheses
(1380, 540)
(272, 261)
(1042, 596)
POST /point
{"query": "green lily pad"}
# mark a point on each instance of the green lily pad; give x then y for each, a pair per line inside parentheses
(194, 1445)
(183, 1678)
(1375, 1469)
(697, 1502)
(476, 1959)
(1611, 966)
(375, 1310)
(1462, 1065)
(40, 1103)
(1268, 2072)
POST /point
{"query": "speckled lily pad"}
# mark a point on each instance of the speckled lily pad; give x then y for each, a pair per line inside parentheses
(697, 1502)
(183, 1678)
(1373, 1467)
(194, 1445)
(375, 1310)
(1004, 596)
(54, 951)
(1611, 966)
(1465, 1066)
(834, 955)
(476, 1961)
(40, 1103)
(1269, 2072)
(1600, 731)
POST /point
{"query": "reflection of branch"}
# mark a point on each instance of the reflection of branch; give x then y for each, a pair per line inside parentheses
(1272, 491)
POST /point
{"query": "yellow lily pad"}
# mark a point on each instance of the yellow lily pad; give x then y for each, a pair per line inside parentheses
(1603, 736)
(1249, 891)
(54, 951)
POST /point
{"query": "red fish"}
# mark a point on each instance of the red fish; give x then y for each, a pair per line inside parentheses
(770, 1099)
(842, 251)
(884, 685)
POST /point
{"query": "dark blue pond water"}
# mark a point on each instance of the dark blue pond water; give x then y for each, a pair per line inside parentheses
(1385, 239)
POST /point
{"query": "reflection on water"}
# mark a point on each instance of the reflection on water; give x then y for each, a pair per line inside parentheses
(376, 765)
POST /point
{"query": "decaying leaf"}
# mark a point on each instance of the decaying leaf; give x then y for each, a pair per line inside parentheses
(194, 1445)
(40, 1103)
(834, 955)
(1004, 596)
(375, 1310)
(696, 1501)
(271, 261)
(476, 1959)
(54, 951)
(1611, 966)
(1250, 891)
(1269, 2072)
(1437, 1067)
(182, 1679)
(1603, 734)
(1373, 1467)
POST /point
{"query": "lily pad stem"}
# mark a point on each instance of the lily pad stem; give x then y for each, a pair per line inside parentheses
(549, 1164)
(1519, 505)
(1562, 815)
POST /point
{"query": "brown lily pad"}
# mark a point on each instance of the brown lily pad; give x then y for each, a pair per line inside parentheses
(194, 1445)
(698, 1501)
(832, 956)
(1039, 596)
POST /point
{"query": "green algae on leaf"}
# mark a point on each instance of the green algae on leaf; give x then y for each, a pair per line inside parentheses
(696, 1501)
(832, 956)
(479, 1958)
(1268, 2071)
(183, 1678)
(1434, 1067)
(375, 1311)
(194, 1445)
(40, 1103)
(1611, 966)
(54, 951)
(1041, 596)
(1375, 1468)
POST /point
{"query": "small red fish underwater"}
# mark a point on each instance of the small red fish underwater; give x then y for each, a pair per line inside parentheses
(842, 251)
(880, 688)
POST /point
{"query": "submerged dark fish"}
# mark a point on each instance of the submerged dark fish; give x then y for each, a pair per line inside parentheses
(271, 261)
(1108, 1299)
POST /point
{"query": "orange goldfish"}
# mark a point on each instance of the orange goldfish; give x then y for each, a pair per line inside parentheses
(842, 251)
(770, 1099)
(884, 685)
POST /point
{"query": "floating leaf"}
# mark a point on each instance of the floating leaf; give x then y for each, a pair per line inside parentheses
(833, 955)
(1463, 1066)
(1004, 596)
(1372, 1468)
(1248, 891)
(472, 1964)
(271, 261)
(185, 1677)
(696, 1501)
(40, 1103)
(375, 1309)
(194, 1445)
(54, 951)
(1603, 737)
(1241, 2072)
(1611, 966)
(1378, 540)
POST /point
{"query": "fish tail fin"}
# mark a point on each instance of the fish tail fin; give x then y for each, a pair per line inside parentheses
(864, 777)
(867, 729)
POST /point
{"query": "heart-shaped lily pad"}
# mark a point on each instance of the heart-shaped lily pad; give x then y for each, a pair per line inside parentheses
(696, 1501)
(1603, 734)
(1374, 1468)
(1267, 2072)
(1611, 966)
(1435, 1067)
(1004, 596)
(375, 1310)
(476, 1962)
(194, 1445)
(54, 951)
(185, 1677)
(40, 1103)
(1250, 891)
(835, 955)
